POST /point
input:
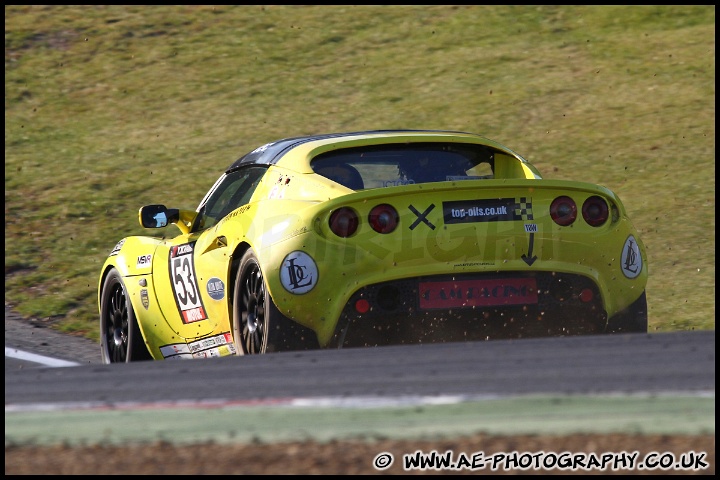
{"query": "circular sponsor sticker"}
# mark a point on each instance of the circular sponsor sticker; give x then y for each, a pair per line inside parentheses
(298, 273)
(631, 260)
(216, 288)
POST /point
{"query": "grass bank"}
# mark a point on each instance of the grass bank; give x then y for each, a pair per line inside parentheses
(111, 107)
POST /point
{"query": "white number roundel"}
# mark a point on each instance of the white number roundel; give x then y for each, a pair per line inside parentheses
(298, 273)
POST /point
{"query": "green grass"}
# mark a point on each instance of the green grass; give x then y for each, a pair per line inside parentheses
(108, 108)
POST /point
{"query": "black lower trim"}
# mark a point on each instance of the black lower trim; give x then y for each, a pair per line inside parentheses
(633, 319)
(394, 316)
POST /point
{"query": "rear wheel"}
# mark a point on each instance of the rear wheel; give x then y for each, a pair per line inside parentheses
(258, 325)
(120, 336)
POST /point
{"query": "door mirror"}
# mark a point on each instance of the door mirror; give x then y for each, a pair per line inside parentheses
(158, 216)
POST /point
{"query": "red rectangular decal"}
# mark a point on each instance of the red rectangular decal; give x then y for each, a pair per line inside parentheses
(194, 314)
(478, 293)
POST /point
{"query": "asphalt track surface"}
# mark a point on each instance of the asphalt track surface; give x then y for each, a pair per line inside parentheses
(635, 383)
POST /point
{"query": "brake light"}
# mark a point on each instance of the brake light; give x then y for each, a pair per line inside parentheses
(344, 222)
(595, 211)
(563, 211)
(383, 218)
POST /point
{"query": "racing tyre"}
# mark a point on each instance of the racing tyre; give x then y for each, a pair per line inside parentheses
(258, 325)
(120, 336)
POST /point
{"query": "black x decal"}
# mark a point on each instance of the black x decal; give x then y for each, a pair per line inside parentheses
(422, 217)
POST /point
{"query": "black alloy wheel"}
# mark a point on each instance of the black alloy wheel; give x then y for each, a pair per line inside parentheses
(251, 312)
(121, 340)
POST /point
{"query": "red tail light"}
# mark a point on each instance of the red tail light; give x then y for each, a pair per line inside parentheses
(344, 222)
(595, 211)
(383, 218)
(563, 211)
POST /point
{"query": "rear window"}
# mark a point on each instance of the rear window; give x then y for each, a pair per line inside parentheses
(391, 165)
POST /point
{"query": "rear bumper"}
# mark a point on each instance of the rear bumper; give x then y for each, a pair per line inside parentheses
(534, 304)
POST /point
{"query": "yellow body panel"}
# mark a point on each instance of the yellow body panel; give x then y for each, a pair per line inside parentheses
(158, 314)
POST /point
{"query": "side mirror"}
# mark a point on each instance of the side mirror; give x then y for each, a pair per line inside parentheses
(158, 216)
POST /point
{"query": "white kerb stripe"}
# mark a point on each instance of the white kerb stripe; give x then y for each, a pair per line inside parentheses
(31, 357)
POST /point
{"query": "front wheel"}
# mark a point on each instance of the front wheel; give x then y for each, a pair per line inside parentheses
(120, 336)
(258, 325)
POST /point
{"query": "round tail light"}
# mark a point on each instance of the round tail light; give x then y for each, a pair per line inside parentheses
(595, 211)
(383, 218)
(344, 222)
(563, 211)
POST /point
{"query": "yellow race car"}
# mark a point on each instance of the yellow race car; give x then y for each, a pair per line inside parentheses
(373, 238)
